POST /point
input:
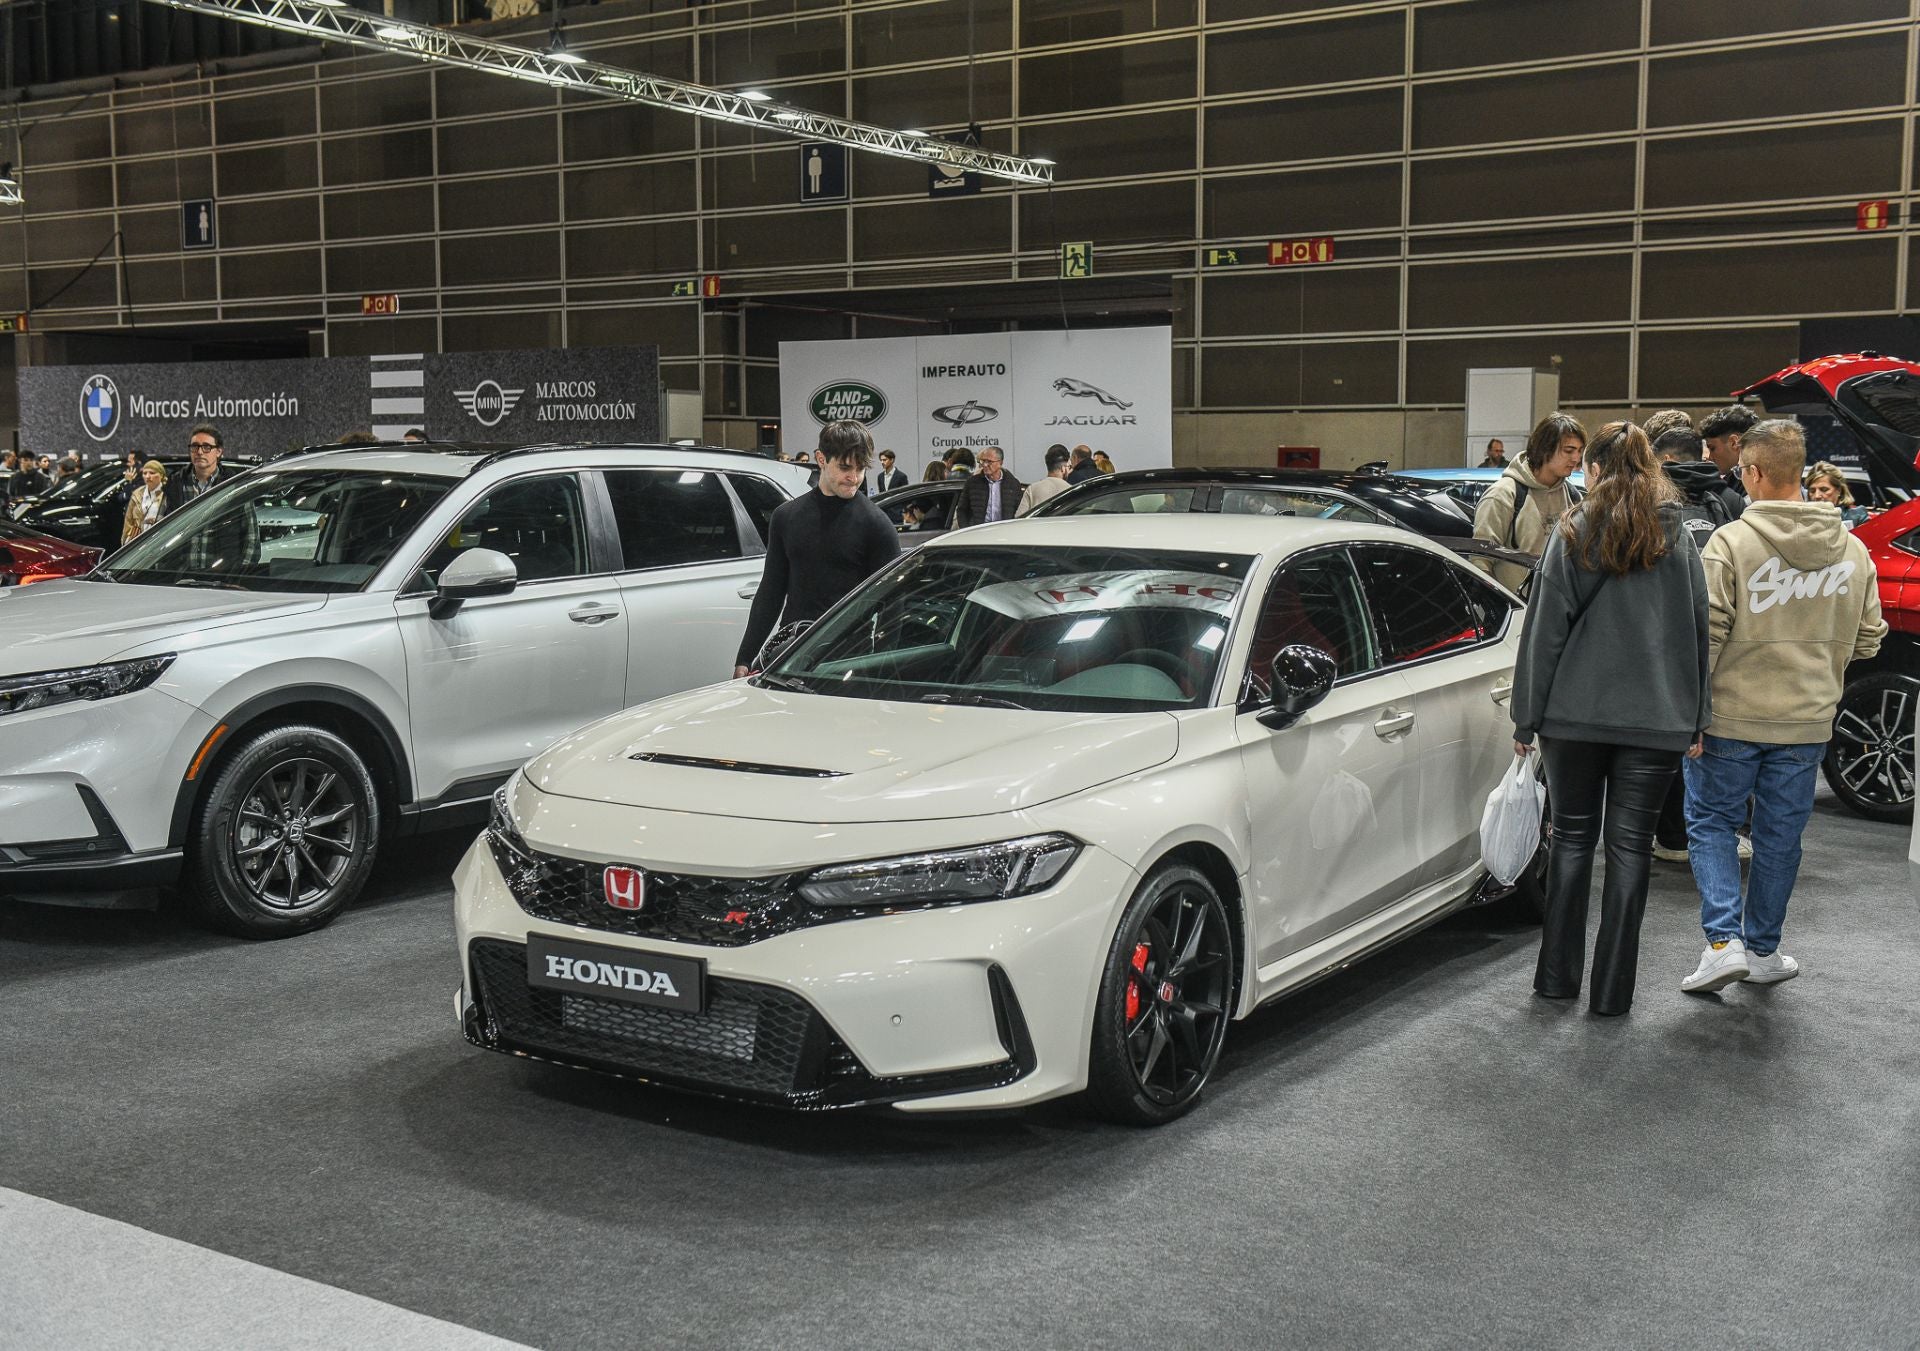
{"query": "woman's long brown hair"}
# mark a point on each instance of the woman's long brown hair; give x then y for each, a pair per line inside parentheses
(1618, 529)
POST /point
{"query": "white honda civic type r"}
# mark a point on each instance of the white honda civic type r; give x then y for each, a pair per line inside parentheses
(1039, 809)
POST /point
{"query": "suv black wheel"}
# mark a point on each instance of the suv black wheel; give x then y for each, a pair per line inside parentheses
(285, 835)
(1165, 999)
(1869, 762)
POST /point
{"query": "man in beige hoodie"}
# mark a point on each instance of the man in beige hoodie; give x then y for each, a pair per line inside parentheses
(1520, 508)
(1791, 599)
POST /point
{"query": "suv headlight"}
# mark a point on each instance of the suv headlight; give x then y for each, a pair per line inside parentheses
(987, 872)
(43, 689)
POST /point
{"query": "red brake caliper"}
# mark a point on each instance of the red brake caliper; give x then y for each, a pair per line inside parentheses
(1139, 964)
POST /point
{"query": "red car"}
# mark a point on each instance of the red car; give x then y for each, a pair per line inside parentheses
(1870, 761)
(28, 556)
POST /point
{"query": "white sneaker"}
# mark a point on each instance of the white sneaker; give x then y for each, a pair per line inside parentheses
(1666, 855)
(1719, 965)
(1745, 847)
(1771, 969)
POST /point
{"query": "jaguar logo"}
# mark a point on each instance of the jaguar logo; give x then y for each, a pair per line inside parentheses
(624, 888)
(1080, 389)
(847, 401)
(487, 403)
(964, 414)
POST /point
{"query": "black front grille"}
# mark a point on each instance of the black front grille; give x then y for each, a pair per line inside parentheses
(751, 1038)
(723, 912)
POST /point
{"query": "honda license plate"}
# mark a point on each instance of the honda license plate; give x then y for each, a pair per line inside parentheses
(616, 973)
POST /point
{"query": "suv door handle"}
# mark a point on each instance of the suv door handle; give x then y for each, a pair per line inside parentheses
(1393, 721)
(593, 613)
(1502, 691)
(749, 591)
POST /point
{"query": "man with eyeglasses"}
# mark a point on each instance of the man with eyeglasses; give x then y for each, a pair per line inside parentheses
(232, 542)
(205, 474)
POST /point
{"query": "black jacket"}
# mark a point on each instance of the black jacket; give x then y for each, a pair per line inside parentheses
(971, 509)
(29, 483)
(891, 480)
(1707, 508)
(1083, 471)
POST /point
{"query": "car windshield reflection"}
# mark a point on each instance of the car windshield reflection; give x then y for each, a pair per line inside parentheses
(323, 530)
(1065, 629)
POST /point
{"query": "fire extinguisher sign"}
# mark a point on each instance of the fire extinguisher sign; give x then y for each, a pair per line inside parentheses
(1872, 216)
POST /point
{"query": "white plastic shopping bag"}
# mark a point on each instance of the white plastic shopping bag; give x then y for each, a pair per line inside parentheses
(1510, 827)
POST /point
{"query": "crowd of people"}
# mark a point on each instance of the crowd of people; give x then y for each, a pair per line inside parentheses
(1686, 644)
(147, 489)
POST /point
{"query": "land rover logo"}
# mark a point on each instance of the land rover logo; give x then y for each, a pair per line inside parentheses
(847, 401)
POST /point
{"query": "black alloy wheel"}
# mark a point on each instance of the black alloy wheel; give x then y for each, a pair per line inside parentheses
(1166, 997)
(1869, 763)
(286, 834)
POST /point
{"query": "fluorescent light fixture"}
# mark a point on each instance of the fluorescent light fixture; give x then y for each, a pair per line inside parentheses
(1038, 159)
(572, 58)
(1084, 630)
(330, 21)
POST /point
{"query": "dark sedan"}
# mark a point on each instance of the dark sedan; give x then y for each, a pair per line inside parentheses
(89, 508)
(1372, 496)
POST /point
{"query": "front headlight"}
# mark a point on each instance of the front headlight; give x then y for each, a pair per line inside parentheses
(987, 872)
(45, 688)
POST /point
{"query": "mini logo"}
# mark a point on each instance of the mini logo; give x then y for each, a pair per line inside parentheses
(487, 403)
(1080, 389)
(625, 888)
(100, 407)
(964, 414)
(847, 401)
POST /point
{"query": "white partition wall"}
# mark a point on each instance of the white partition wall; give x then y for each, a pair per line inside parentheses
(1111, 389)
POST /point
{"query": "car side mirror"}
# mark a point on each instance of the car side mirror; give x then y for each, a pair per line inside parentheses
(474, 573)
(1301, 678)
(779, 641)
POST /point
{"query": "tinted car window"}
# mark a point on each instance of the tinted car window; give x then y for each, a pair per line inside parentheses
(924, 509)
(1292, 502)
(1314, 600)
(760, 497)
(538, 523)
(1132, 499)
(1419, 606)
(670, 516)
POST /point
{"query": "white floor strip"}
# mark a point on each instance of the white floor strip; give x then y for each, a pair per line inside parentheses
(70, 1279)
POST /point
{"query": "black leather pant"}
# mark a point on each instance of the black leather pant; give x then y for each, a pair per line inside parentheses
(1595, 789)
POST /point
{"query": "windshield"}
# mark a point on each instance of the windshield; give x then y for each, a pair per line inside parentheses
(321, 530)
(1084, 629)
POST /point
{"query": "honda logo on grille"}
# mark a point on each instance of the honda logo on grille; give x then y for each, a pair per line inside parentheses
(625, 888)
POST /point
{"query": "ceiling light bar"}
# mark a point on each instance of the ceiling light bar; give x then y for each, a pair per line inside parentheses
(330, 22)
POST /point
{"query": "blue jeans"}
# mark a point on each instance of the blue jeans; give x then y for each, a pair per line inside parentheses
(1780, 781)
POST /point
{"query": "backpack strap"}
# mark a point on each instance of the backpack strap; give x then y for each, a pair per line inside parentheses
(1521, 496)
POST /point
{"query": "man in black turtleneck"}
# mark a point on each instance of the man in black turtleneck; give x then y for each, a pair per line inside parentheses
(822, 544)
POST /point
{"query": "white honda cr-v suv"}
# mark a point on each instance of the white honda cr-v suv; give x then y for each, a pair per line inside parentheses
(349, 645)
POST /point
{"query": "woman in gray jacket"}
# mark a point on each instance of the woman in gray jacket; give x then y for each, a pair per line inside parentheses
(1612, 678)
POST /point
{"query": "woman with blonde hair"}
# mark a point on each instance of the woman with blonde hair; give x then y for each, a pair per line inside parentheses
(148, 502)
(1612, 678)
(1825, 483)
(1101, 462)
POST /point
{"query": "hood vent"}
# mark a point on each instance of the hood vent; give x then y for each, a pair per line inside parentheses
(737, 766)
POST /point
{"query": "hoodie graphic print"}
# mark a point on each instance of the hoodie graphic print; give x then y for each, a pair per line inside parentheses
(1791, 600)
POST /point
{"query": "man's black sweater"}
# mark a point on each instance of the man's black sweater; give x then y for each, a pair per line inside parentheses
(819, 547)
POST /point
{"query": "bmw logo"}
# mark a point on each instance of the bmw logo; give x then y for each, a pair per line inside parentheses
(100, 407)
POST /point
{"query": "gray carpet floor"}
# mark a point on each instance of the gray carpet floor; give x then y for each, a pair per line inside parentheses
(1415, 1153)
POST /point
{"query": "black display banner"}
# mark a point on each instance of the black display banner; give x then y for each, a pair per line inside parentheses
(267, 408)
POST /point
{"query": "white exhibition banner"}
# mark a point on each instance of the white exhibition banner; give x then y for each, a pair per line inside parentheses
(1108, 388)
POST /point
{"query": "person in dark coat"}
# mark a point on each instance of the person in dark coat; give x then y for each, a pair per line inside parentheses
(1612, 679)
(990, 495)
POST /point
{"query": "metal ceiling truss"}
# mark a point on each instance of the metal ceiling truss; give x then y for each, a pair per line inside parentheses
(399, 37)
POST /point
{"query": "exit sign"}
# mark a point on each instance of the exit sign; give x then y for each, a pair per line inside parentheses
(1294, 252)
(383, 304)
